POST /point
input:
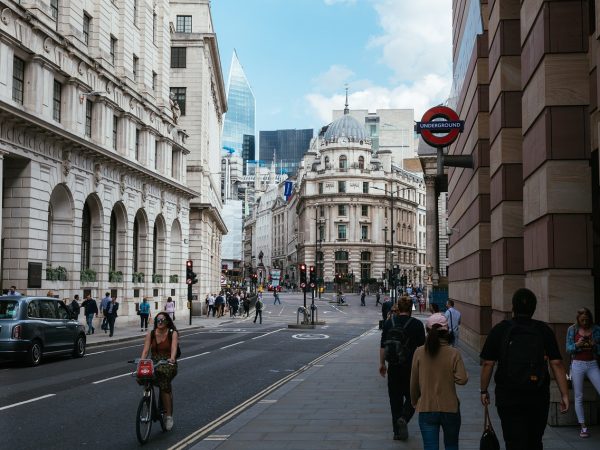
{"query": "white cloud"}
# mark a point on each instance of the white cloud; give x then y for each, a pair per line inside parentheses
(415, 43)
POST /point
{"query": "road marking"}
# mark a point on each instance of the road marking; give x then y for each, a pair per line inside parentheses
(215, 424)
(231, 345)
(95, 353)
(112, 378)
(27, 401)
(266, 334)
(310, 336)
(193, 356)
(282, 308)
(339, 310)
(217, 437)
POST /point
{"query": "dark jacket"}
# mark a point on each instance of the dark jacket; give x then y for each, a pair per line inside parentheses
(386, 307)
(115, 308)
(90, 306)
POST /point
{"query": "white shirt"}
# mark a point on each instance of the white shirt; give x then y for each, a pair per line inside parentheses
(454, 322)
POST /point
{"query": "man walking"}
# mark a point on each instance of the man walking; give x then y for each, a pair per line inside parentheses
(90, 308)
(378, 297)
(258, 308)
(75, 307)
(111, 314)
(246, 304)
(400, 337)
(362, 297)
(103, 307)
(453, 318)
(211, 305)
(276, 297)
(522, 346)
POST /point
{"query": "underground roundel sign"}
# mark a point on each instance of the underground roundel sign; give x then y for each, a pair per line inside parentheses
(440, 133)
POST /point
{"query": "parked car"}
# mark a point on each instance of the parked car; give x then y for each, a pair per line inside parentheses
(31, 327)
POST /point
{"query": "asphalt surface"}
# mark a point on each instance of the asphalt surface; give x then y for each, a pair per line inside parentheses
(92, 402)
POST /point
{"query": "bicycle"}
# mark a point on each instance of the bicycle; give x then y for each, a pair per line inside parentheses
(149, 410)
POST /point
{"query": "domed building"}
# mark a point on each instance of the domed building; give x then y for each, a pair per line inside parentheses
(357, 210)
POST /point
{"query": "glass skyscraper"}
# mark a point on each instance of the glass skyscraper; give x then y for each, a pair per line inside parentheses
(287, 147)
(238, 125)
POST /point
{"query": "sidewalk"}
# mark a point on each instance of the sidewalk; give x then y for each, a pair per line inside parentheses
(341, 402)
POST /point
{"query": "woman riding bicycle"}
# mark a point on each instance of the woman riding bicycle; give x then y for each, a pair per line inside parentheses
(161, 342)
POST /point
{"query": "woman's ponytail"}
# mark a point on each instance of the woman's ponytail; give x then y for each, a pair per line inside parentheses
(432, 343)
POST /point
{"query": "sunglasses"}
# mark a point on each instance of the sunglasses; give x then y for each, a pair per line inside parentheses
(161, 320)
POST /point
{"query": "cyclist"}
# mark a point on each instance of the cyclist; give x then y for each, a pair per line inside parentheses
(161, 342)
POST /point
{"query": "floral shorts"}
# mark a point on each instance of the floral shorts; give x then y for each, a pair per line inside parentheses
(164, 375)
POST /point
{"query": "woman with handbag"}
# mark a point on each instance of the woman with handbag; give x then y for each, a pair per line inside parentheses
(436, 370)
(583, 344)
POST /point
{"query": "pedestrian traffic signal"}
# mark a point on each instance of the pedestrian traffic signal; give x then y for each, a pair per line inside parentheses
(303, 273)
(190, 275)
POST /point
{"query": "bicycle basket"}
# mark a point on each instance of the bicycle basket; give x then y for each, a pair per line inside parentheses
(145, 370)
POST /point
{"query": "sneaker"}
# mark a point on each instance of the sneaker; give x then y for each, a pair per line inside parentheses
(584, 433)
(402, 429)
(168, 423)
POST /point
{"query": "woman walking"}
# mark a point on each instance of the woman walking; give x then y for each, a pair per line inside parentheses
(170, 308)
(583, 344)
(436, 369)
(144, 314)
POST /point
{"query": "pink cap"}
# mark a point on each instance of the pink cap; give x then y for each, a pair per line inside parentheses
(439, 319)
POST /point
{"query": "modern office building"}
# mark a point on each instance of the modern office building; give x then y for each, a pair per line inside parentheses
(284, 147)
(239, 122)
(93, 159)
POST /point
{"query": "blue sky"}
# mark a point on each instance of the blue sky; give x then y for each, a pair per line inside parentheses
(298, 55)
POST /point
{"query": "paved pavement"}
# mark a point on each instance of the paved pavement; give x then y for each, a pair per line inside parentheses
(337, 402)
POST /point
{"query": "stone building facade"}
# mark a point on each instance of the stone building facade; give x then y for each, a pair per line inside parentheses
(525, 82)
(94, 193)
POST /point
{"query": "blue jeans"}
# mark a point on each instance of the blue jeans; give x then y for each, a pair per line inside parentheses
(90, 320)
(430, 423)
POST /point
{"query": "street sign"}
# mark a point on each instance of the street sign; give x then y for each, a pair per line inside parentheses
(302, 285)
(430, 129)
(312, 285)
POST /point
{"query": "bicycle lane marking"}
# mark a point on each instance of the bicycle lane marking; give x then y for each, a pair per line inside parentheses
(27, 401)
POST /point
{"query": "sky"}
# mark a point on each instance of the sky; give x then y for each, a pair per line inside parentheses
(299, 55)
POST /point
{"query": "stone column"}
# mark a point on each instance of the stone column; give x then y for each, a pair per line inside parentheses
(431, 228)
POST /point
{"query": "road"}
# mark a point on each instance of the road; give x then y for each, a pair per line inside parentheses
(92, 402)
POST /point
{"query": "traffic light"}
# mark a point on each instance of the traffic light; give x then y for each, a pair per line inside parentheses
(312, 274)
(190, 275)
(254, 278)
(303, 273)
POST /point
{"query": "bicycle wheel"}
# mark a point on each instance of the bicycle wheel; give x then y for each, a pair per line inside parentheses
(143, 422)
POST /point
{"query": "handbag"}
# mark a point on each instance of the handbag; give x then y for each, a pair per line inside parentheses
(489, 440)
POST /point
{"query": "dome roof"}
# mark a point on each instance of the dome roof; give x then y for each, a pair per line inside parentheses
(346, 126)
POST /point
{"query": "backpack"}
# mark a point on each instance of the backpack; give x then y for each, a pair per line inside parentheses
(178, 354)
(396, 347)
(524, 358)
(259, 305)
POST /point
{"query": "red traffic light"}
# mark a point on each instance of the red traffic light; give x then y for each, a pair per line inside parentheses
(303, 267)
(312, 268)
(189, 263)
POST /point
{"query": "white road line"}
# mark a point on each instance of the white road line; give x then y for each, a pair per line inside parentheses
(95, 353)
(112, 378)
(194, 356)
(27, 401)
(282, 308)
(231, 345)
(337, 309)
(270, 332)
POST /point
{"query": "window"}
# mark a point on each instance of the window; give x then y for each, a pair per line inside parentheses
(365, 265)
(56, 98)
(86, 29)
(321, 232)
(321, 211)
(179, 93)
(137, 144)
(341, 262)
(136, 62)
(48, 309)
(183, 24)
(136, 236)
(341, 186)
(18, 79)
(327, 162)
(154, 27)
(115, 131)
(361, 162)
(112, 243)
(155, 249)
(365, 187)
(54, 9)
(364, 210)
(155, 155)
(86, 237)
(320, 188)
(154, 77)
(113, 49)
(178, 57)
(341, 210)
(343, 162)
(135, 8)
(342, 231)
(364, 232)
(88, 118)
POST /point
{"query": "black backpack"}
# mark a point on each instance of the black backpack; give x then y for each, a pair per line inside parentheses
(524, 358)
(396, 347)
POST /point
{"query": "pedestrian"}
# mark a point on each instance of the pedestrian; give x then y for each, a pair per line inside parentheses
(246, 304)
(436, 369)
(522, 346)
(211, 305)
(378, 297)
(258, 308)
(583, 344)
(90, 308)
(50, 294)
(362, 297)
(386, 307)
(103, 308)
(144, 312)
(75, 308)
(453, 317)
(400, 337)
(220, 304)
(422, 304)
(111, 315)
(434, 308)
(235, 304)
(13, 291)
(170, 308)
(276, 297)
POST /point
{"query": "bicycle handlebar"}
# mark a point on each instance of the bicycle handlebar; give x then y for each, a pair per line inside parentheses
(161, 362)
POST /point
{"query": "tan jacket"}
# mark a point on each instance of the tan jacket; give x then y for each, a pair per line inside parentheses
(432, 380)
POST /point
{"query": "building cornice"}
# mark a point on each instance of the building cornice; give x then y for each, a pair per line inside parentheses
(213, 212)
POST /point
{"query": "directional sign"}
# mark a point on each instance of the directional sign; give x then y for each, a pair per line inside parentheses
(430, 129)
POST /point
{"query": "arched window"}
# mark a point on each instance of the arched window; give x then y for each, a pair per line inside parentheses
(365, 266)
(326, 161)
(49, 236)
(112, 243)
(86, 237)
(341, 263)
(136, 235)
(343, 162)
(361, 162)
(155, 248)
